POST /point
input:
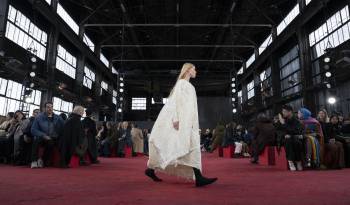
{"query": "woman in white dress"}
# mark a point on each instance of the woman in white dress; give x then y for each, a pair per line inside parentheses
(174, 144)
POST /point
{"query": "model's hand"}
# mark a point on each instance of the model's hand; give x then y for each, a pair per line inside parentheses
(176, 125)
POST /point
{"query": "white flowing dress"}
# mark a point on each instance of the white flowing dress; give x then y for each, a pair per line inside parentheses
(172, 151)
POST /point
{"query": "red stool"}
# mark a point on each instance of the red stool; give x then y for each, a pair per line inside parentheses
(138, 154)
(267, 157)
(113, 152)
(128, 151)
(281, 159)
(219, 152)
(228, 151)
(74, 161)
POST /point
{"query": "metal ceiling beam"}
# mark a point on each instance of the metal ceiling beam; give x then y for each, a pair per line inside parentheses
(262, 12)
(52, 17)
(179, 46)
(246, 38)
(222, 32)
(176, 25)
(312, 9)
(176, 60)
(98, 8)
(132, 32)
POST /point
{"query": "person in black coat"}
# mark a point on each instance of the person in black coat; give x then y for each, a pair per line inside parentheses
(124, 139)
(229, 134)
(73, 134)
(89, 126)
(264, 135)
(292, 130)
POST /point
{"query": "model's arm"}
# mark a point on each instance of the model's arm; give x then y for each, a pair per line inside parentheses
(176, 94)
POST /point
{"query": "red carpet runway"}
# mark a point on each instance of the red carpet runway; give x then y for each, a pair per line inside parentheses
(121, 181)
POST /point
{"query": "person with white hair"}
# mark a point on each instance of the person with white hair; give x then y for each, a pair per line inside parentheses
(73, 135)
(174, 144)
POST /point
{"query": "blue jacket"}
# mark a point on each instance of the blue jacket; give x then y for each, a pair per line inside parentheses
(40, 126)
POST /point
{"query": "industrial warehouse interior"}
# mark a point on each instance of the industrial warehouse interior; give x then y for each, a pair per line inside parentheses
(175, 102)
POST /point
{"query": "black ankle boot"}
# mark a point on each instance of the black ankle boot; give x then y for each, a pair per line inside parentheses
(150, 173)
(202, 181)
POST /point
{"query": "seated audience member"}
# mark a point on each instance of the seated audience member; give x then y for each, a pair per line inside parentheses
(292, 131)
(228, 134)
(101, 135)
(125, 139)
(5, 146)
(72, 140)
(109, 141)
(207, 139)
(323, 119)
(47, 129)
(314, 139)
(247, 141)
(340, 119)
(346, 127)
(90, 131)
(264, 135)
(280, 139)
(63, 116)
(18, 138)
(27, 143)
(217, 136)
(146, 134)
(334, 151)
(5, 125)
(238, 136)
(137, 139)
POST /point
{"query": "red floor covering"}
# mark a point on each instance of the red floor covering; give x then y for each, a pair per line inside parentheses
(121, 181)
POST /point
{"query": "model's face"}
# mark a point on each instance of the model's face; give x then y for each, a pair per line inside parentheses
(193, 72)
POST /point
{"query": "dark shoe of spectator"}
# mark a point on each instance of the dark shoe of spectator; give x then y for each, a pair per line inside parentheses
(83, 163)
(236, 155)
(254, 161)
(95, 162)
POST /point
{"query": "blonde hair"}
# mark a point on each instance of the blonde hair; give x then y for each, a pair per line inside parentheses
(125, 124)
(185, 68)
(326, 119)
(78, 110)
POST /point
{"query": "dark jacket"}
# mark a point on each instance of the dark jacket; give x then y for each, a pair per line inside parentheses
(238, 136)
(27, 131)
(264, 132)
(331, 131)
(291, 127)
(89, 126)
(41, 126)
(228, 136)
(73, 134)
